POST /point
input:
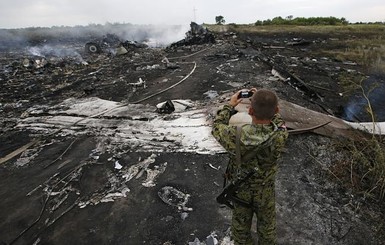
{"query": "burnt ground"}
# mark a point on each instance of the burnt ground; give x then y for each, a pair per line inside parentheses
(67, 187)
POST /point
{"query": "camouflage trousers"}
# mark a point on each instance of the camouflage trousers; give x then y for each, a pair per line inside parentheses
(262, 198)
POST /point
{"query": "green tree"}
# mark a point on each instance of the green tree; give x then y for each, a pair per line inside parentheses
(278, 21)
(289, 20)
(219, 20)
(290, 17)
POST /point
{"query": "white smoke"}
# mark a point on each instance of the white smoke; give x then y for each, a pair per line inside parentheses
(152, 35)
(55, 51)
(164, 36)
(48, 51)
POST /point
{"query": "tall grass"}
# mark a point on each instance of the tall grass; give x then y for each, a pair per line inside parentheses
(363, 169)
(369, 53)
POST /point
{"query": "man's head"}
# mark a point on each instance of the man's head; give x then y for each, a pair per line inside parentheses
(264, 104)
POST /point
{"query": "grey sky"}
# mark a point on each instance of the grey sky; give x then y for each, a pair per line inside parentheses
(27, 13)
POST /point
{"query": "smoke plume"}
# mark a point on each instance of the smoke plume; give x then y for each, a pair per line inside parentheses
(357, 109)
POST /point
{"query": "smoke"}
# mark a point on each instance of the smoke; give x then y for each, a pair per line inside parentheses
(152, 35)
(57, 51)
(357, 108)
(48, 50)
(11, 39)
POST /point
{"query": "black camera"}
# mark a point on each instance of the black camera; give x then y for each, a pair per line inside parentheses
(245, 94)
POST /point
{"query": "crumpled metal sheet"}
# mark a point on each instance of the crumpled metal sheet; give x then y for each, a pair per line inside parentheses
(174, 197)
(134, 125)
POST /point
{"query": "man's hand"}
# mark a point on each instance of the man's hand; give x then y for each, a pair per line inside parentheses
(254, 90)
(234, 100)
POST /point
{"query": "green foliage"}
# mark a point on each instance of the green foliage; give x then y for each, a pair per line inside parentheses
(289, 20)
(219, 20)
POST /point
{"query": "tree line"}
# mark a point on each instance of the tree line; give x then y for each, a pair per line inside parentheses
(300, 21)
(289, 20)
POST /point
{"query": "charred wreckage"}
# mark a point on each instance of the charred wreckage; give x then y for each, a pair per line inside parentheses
(105, 145)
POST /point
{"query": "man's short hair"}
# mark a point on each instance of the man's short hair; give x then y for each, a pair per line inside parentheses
(264, 103)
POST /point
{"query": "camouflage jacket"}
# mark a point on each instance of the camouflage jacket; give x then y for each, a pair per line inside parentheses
(260, 146)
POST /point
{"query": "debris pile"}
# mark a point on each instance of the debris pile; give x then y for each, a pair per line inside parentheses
(112, 44)
(195, 36)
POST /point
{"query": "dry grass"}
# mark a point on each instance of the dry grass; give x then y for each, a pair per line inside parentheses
(349, 82)
(363, 169)
(368, 53)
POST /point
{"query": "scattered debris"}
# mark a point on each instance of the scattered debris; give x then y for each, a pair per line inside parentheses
(112, 44)
(286, 76)
(110, 197)
(175, 105)
(299, 42)
(121, 50)
(152, 174)
(18, 151)
(174, 197)
(216, 168)
(136, 170)
(211, 94)
(196, 35)
(170, 65)
(118, 166)
(165, 107)
(184, 215)
(212, 239)
(140, 83)
(195, 242)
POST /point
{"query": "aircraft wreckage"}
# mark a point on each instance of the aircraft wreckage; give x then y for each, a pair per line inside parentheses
(187, 129)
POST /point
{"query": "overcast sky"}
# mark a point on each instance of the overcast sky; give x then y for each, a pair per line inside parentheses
(47, 13)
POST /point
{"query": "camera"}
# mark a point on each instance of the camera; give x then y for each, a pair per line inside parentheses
(245, 94)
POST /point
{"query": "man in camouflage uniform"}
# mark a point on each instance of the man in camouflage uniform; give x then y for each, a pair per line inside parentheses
(260, 146)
